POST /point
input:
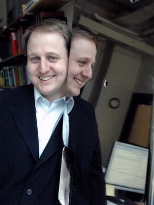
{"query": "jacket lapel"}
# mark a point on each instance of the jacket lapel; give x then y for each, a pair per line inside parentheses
(23, 111)
(77, 135)
(55, 144)
(74, 119)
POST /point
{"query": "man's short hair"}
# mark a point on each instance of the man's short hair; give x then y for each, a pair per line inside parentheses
(50, 24)
(84, 32)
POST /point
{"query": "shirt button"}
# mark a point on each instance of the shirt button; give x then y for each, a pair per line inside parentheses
(29, 192)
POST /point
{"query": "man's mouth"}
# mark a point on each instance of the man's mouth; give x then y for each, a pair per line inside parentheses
(46, 78)
(78, 81)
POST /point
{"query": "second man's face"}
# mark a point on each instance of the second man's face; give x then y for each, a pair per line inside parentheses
(47, 64)
(81, 61)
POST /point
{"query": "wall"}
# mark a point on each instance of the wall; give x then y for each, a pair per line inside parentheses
(145, 80)
(68, 11)
(121, 75)
(145, 84)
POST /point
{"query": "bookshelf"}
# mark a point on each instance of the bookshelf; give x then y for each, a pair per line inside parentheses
(46, 4)
(12, 46)
(14, 60)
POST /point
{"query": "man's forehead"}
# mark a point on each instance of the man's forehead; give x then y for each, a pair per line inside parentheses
(83, 43)
(87, 50)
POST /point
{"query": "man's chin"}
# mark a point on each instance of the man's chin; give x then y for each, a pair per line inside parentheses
(71, 93)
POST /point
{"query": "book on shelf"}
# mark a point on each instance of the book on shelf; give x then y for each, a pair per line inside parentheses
(2, 83)
(20, 71)
(19, 38)
(18, 43)
(25, 79)
(22, 75)
(6, 76)
(21, 47)
(12, 75)
(5, 50)
(13, 40)
(15, 76)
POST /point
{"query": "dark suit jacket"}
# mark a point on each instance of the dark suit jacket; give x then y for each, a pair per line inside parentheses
(25, 178)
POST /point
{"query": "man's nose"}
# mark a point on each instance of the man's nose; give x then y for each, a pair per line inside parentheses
(43, 66)
(87, 72)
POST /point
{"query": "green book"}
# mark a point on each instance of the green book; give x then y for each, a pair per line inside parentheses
(6, 76)
(20, 75)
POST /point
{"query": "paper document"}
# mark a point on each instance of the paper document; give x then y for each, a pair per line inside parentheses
(128, 167)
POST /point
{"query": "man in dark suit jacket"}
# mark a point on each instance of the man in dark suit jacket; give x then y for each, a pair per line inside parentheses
(83, 50)
(31, 177)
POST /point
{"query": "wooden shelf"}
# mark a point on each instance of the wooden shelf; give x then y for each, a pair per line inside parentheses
(43, 5)
(23, 19)
(3, 87)
(51, 5)
(14, 60)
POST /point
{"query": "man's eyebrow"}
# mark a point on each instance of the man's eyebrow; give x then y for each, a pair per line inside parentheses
(52, 53)
(83, 58)
(86, 58)
(31, 54)
(37, 54)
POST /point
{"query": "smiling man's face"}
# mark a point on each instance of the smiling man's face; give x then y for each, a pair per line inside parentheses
(47, 63)
(81, 61)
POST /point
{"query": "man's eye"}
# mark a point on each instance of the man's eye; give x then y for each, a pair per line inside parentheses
(53, 58)
(34, 59)
(82, 63)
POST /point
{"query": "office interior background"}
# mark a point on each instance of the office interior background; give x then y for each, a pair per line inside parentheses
(122, 87)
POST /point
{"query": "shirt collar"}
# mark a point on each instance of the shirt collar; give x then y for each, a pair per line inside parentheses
(37, 95)
(70, 104)
(69, 100)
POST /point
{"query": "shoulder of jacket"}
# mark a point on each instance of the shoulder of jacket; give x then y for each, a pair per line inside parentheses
(81, 102)
(13, 92)
(82, 106)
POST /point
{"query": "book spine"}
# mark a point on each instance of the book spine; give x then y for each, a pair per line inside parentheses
(20, 75)
(5, 47)
(13, 77)
(14, 47)
(6, 76)
(10, 76)
(19, 39)
(2, 80)
(16, 76)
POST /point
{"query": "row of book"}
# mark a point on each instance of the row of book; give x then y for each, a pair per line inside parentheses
(17, 42)
(13, 76)
(13, 42)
